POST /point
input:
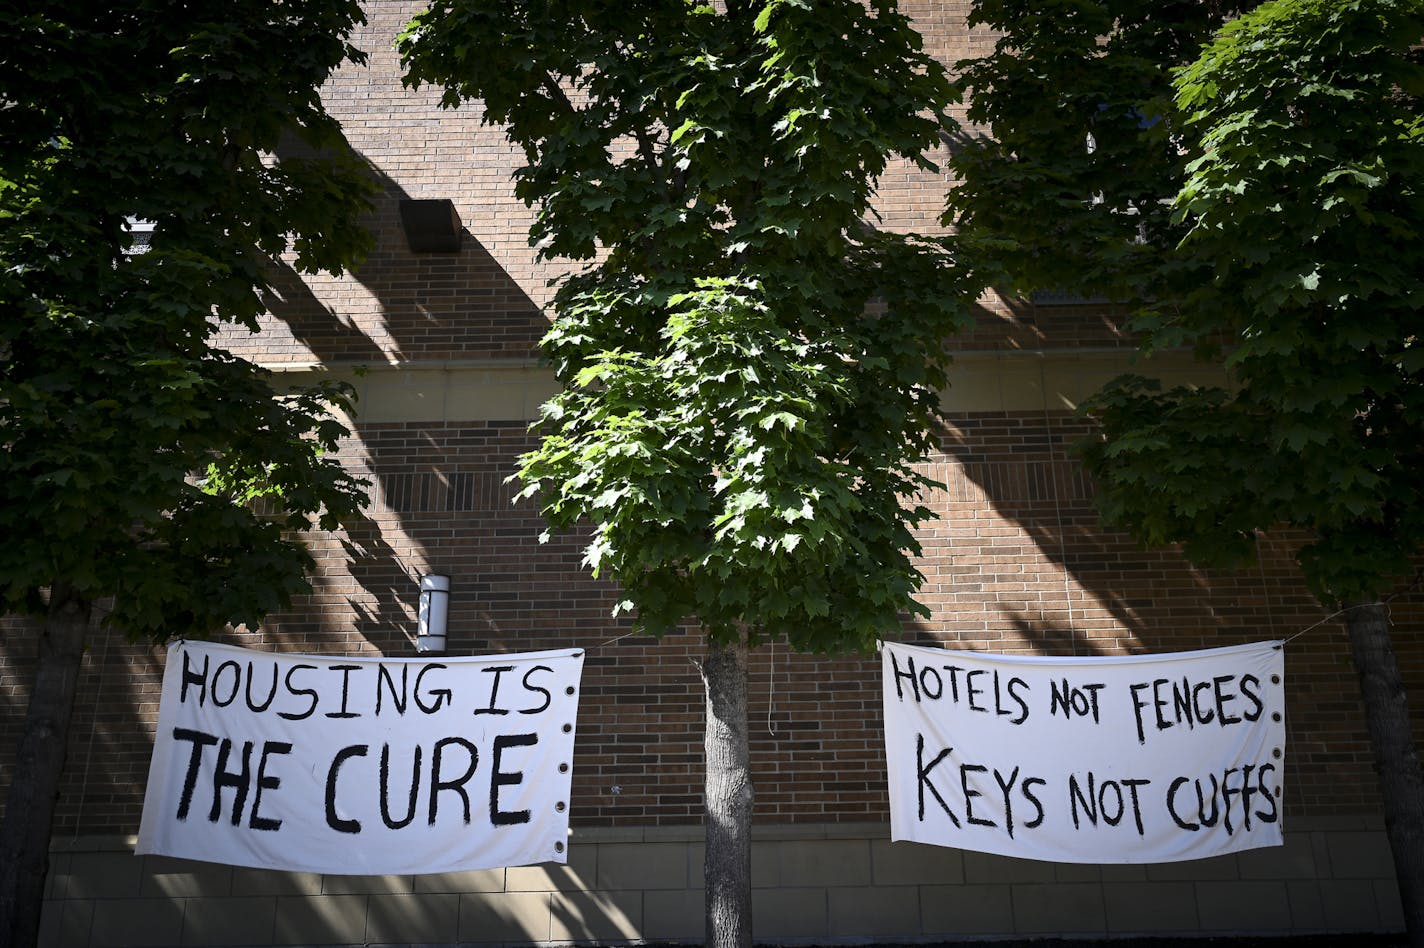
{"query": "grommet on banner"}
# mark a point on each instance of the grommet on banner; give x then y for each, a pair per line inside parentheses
(568, 728)
(569, 690)
(1276, 753)
(563, 768)
(559, 806)
(558, 847)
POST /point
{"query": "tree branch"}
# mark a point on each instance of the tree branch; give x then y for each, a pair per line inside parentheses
(557, 93)
(649, 153)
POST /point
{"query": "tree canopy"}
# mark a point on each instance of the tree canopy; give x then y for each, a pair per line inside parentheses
(1066, 186)
(750, 370)
(1235, 190)
(135, 451)
(1304, 214)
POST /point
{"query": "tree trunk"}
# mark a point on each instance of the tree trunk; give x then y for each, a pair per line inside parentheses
(728, 803)
(34, 784)
(1391, 735)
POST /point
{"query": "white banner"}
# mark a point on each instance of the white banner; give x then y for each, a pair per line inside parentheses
(1124, 759)
(362, 765)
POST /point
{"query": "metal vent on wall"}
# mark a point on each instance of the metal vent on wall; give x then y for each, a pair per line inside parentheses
(431, 225)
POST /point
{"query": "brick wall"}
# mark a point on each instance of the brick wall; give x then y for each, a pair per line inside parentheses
(1015, 561)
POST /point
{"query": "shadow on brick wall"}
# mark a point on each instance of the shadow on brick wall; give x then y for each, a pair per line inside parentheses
(1079, 589)
(402, 306)
(418, 310)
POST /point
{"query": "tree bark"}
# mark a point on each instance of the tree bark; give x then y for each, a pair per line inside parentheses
(728, 798)
(34, 785)
(1396, 758)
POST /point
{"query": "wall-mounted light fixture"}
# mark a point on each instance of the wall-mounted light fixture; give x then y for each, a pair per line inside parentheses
(434, 610)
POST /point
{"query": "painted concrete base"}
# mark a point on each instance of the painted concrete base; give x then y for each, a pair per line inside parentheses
(818, 884)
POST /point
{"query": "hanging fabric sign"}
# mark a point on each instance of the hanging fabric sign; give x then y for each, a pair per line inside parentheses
(362, 765)
(1123, 759)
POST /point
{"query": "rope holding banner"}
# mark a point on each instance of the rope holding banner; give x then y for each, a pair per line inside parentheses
(771, 690)
(1058, 512)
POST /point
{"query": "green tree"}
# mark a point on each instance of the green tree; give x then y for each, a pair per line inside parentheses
(1291, 250)
(136, 454)
(750, 370)
(1068, 190)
